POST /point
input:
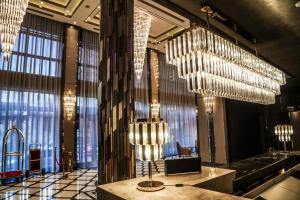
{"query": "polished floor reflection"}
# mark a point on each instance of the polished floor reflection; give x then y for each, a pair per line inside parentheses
(288, 189)
(79, 184)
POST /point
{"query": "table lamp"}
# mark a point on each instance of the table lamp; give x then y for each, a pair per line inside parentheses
(149, 136)
(284, 132)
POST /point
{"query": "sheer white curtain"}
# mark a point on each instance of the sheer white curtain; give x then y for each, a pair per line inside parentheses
(177, 108)
(87, 142)
(30, 88)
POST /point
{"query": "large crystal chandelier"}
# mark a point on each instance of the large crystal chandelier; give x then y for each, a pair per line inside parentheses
(141, 28)
(11, 17)
(214, 66)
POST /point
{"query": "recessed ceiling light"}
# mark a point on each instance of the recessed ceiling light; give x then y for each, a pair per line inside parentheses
(88, 18)
(74, 22)
(42, 2)
(68, 11)
(297, 4)
(99, 7)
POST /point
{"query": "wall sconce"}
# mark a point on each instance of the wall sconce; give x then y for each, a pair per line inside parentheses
(69, 104)
(209, 103)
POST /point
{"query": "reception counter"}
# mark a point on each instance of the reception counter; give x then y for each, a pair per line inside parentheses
(195, 186)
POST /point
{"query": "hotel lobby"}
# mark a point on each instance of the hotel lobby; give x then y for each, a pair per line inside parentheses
(150, 99)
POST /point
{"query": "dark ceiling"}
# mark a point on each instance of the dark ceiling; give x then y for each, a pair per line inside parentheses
(274, 23)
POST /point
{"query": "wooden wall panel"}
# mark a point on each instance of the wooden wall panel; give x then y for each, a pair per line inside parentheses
(116, 99)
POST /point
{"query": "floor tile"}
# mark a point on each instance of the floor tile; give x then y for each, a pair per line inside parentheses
(89, 175)
(76, 173)
(92, 194)
(2, 187)
(11, 189)
(40, 185)
(19, 197)
(24, 184)
(93, 170)
(36, 198)
(89, 189)
(93, 183)
(35, 179)
(74, 187)
(66, 194)
(56, 176)
(28, 191)
(80, 182)
(48, 180)
(82, 196)
(85, 178)
(64, 181)
(47, 192)
(5, 195)
(57, 186)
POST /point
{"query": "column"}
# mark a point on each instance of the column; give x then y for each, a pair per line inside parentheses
(70, 84)
(116, 85)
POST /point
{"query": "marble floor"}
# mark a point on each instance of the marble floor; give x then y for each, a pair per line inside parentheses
(288, 189)
(79, 184)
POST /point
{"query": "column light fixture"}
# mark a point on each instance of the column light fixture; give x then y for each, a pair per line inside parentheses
(69, 104)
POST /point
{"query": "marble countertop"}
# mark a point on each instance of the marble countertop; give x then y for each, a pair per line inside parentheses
(127, 189)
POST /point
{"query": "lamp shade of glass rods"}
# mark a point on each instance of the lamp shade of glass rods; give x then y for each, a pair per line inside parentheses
(149, 136)
(148, 133)
(216, 67)
(284, 132)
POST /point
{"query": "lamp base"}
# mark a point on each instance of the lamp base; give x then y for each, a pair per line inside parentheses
(150, 186)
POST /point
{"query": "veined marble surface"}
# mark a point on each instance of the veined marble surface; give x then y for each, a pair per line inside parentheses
(127, 189)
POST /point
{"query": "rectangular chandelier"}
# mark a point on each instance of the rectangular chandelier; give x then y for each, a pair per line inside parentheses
(214, 66)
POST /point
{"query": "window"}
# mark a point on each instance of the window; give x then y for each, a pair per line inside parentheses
(30, 88)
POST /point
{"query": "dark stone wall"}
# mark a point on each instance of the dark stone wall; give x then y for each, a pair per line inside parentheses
(116, 82)
(250, 128)
(295, 120)
(245, 124)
